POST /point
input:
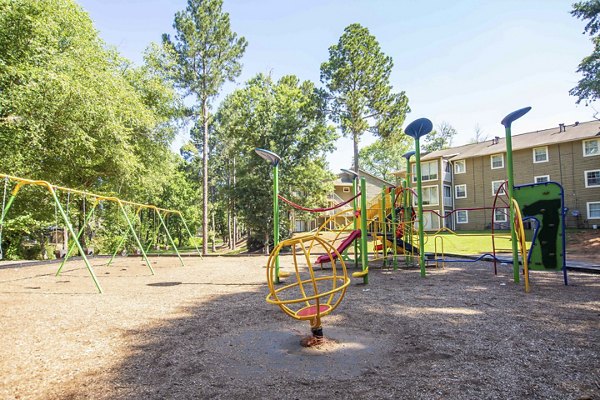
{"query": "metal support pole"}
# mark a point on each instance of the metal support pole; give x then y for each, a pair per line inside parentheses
(416, 129)
(394, 227)
(72, 233)
(363, 229)
(190, 234)
(420, 209)
(169, 237)
(137, 240)
(72, 246)
(507, 121)
(276, 216)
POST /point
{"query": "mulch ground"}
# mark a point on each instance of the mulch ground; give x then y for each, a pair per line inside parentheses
(204, 330)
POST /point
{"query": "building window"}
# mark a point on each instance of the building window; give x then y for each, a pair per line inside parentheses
(541, 179)
(430, 196)
(592, 178)
(429, 171)
(460, 167)
(346, 189)
(496, 185)
(593, 210)
(447, 195)
(540, 154)
(497, 161)
(462, 217)
(501, 215)
(591, 147)
(460, 191)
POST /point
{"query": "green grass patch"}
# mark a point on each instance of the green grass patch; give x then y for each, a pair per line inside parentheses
(470, 243)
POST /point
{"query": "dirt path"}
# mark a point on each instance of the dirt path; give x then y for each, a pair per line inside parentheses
(205, 331)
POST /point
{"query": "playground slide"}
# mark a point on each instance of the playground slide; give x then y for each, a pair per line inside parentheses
(402, 246)
(343, 246)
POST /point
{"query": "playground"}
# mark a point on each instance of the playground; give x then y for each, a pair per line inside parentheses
(204, 330)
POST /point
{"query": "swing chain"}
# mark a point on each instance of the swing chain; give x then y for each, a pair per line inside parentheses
(2, 217)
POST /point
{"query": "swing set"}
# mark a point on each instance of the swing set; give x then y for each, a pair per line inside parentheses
(54, 190)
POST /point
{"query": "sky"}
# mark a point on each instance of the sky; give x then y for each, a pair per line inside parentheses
(467, 63)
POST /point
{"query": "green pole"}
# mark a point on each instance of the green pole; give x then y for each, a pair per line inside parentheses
(7, 207)
(363, 228)
(72, 233)
(406, 207)
(416, 129)
(135, 236)
(507, 121)
(11, 199)
(511, 182)
(72, 246)
(394, 227)
(276, 216)
(420, 208)
(274, 160)
(117, 249)
(190, 233)
(170, 238)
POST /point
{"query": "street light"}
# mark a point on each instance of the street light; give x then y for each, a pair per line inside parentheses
(416, 129)
(274, 160)
(507, 121)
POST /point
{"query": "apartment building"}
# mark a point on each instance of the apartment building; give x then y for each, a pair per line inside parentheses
(461, 182)
(342, 191)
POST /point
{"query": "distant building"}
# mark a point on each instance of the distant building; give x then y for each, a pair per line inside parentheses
(466, 177)
(342, 191)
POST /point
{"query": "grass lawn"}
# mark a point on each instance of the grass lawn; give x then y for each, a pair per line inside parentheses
(469, 243)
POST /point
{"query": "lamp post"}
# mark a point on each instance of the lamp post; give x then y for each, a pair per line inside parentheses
(507, 121)
(416, 129)
(274, 160)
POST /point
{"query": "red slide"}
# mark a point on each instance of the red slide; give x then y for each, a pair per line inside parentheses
(343, 246)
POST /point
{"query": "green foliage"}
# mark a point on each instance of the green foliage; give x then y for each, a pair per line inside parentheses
(286, 117)
(588, 88)
(202, 56)
(384, 157)
(357, 78)
(74, 113)
(439, 139)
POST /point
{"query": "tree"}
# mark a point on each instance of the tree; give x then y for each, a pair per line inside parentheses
(383, 157)
(202, 56)
(286, 117)
(480, 136)
(439, 139)
(588, 88)
(75, 113)
(357, 78)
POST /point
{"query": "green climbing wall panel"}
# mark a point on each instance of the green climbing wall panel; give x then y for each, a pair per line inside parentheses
(544, 201)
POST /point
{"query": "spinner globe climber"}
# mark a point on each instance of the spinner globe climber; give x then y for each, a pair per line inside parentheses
(308, 293)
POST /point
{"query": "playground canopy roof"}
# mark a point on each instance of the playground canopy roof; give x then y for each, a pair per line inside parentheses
(570, 133)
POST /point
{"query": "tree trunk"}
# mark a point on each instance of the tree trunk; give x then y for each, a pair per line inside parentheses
(214, 235)
(266, 246)
(355, 152)
(235, 229)
(205, 179)
(230, 238)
